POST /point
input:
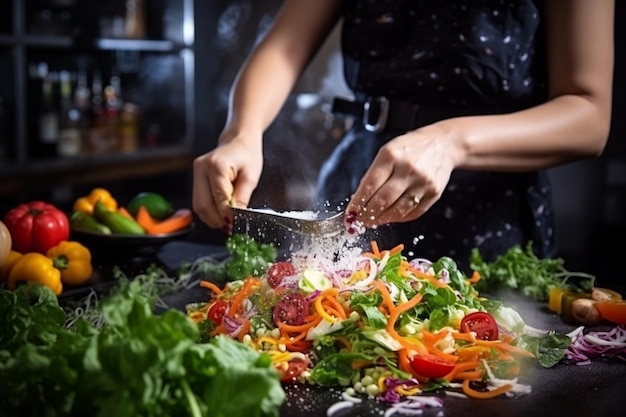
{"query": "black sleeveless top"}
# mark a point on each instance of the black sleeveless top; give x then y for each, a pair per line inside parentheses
(478, 54)
(452, 52)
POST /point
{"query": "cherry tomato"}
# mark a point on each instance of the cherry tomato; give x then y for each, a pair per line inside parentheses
(294, 370)
(431, 366)
(216, 311)
(291, 309)
(481, 323)
(278, 271)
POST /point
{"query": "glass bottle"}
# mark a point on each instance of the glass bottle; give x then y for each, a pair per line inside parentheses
(70, 138)
(129, 128)
(48, 118)
(96, 135)
(112, 105)
(135, 23)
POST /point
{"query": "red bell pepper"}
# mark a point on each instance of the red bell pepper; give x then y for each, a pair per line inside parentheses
(36, 226)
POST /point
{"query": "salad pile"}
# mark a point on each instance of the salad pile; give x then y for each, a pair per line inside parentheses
(379, 325)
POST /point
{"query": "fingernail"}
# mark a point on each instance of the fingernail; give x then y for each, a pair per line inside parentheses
(227, 229)
(227, 220)
(351, 217)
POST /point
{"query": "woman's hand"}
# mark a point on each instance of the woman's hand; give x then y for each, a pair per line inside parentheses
(406, 178)
(225, 177)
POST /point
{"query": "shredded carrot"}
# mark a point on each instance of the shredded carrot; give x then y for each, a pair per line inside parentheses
(248, 284)
(320, 310)
(471, 392)
(403, 360)
(467, 336)
(302, 327)
(405, 365)
(498, 344)
(327, 306)
(375, 249)
(440, 354)
(245, 328)
(462, 367)
(218, 330)
(474, 278)
(361, 363)
(332, 303)
(396, 249)
(300, 346)
(206, 284)
(469, 375)
(433, 338)
(391, 322)
(386, 295)
(332, 312)
(423, 275)
(344, 341)
(290, 340)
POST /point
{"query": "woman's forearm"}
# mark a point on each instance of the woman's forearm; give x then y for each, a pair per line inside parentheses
(562, 130)
(273, 68)
(575, 122)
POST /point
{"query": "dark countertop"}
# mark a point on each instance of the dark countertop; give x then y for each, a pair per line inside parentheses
(566, 390)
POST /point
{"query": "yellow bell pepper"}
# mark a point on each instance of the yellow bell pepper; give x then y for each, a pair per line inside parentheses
(8, 264)
(85, 203)
(73, 260)
(38, 268)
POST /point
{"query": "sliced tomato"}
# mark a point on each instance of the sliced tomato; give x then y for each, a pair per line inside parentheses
(431, 366)
(291, 309)
(216, 311)
(482, 324)
(278, 271)
(295, 368)
(614, 311)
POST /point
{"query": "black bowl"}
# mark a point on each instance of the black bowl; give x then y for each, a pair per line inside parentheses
(126, 245)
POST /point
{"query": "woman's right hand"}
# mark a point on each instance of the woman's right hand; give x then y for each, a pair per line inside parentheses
(225, 177)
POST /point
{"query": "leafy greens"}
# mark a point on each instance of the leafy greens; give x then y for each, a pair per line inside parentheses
(522, 270)
(138, 363)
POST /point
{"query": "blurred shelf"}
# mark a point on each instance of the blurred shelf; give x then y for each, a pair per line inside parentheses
(68, 42)
(44, 174)
(135, 45)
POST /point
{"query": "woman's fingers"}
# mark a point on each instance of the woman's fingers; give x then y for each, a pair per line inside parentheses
(224, 178)
(400, 185)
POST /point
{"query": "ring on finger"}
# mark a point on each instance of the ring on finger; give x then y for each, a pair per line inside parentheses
(415, 199)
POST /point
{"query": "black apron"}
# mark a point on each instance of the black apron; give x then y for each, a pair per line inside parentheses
(458, 56)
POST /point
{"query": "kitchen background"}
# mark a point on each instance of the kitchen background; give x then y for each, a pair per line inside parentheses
(173, 65)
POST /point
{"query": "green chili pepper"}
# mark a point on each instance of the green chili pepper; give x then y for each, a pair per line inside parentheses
(85, 223)
(117, 222)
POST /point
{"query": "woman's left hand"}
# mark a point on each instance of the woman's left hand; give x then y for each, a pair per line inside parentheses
(407, 176)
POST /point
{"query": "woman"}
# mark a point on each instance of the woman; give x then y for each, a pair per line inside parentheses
(460, 107)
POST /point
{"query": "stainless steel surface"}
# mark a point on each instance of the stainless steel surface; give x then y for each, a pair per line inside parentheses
(318, 224)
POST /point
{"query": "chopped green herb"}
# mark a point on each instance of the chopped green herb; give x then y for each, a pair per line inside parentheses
(522, 270)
